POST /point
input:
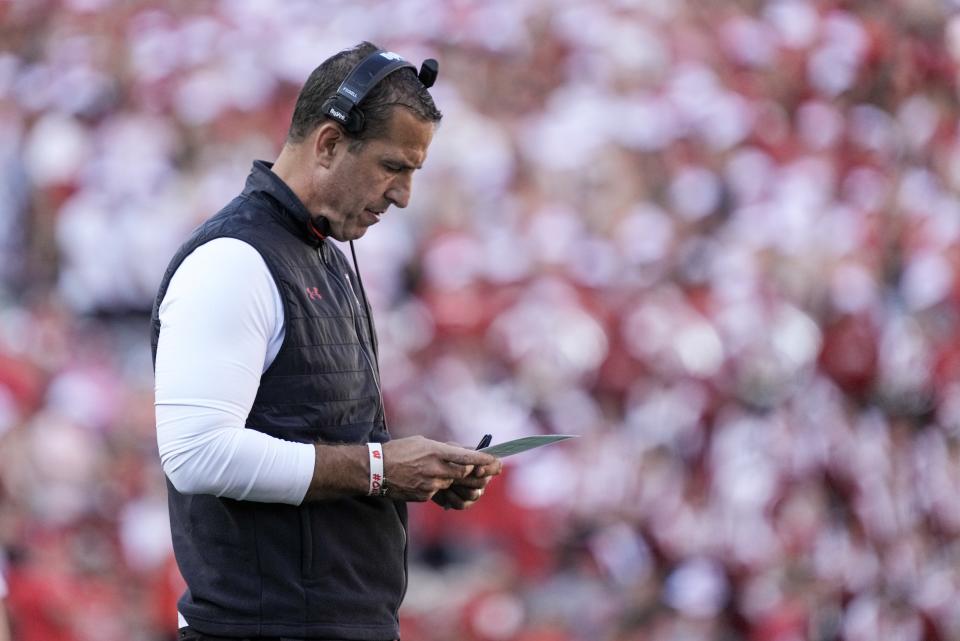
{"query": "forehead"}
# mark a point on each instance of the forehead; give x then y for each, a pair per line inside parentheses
(406, 137)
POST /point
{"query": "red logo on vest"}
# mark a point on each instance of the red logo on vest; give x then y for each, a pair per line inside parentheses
(314, 293)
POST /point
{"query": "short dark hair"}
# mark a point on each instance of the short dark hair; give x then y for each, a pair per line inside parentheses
(400, 88)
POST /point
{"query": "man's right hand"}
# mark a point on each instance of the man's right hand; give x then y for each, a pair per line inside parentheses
(416, 468)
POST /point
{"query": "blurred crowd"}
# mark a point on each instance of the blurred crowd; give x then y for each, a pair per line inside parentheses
(720, 241)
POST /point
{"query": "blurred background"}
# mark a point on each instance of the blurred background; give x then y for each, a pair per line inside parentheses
(718, 240)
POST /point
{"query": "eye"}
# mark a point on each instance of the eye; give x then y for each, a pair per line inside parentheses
(392, 168)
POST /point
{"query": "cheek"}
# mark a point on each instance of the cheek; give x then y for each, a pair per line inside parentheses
(364, 181)
(371, 188)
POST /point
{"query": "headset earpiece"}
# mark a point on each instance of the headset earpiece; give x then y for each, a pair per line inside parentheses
(344, 112)
(341, 110)
(356, 121)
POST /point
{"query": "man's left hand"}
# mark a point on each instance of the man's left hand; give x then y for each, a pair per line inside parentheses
(467, 491)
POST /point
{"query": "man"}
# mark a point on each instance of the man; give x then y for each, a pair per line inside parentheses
(270, 420)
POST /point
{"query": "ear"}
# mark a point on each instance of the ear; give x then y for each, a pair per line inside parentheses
(329, 138)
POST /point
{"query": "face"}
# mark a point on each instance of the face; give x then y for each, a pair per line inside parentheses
(358, 186)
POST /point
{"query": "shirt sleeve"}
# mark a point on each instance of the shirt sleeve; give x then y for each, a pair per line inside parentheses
(221, 325)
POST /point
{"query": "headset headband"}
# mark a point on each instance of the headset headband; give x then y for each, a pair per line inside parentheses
(342, 106)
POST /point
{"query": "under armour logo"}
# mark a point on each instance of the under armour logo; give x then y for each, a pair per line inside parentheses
(313, 293)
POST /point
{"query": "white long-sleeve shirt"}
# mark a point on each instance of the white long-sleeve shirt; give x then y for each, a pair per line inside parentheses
(221, 326)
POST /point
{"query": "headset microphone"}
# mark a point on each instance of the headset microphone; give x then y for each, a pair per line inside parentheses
(428, 72)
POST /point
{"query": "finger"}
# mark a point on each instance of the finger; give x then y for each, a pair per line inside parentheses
(488, 470)
(429, 494)
(454, 470)
(467, 493)
(440, 484)
(464, 456)
(445, 499)
(473, 482)
(442, 499)
(457, 502)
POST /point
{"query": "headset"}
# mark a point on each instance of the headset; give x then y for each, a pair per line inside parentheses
(342, 106)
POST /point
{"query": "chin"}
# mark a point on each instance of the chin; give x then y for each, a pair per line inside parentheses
(348, 234)
(346, 237)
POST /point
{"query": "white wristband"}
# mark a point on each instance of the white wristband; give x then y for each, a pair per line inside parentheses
(377, 487)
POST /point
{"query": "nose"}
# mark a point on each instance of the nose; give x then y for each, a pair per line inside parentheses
(399, 191)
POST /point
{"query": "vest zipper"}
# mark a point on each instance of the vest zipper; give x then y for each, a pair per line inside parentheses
(350, 287)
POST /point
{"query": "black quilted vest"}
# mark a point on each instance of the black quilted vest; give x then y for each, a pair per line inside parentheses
(326, 569)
